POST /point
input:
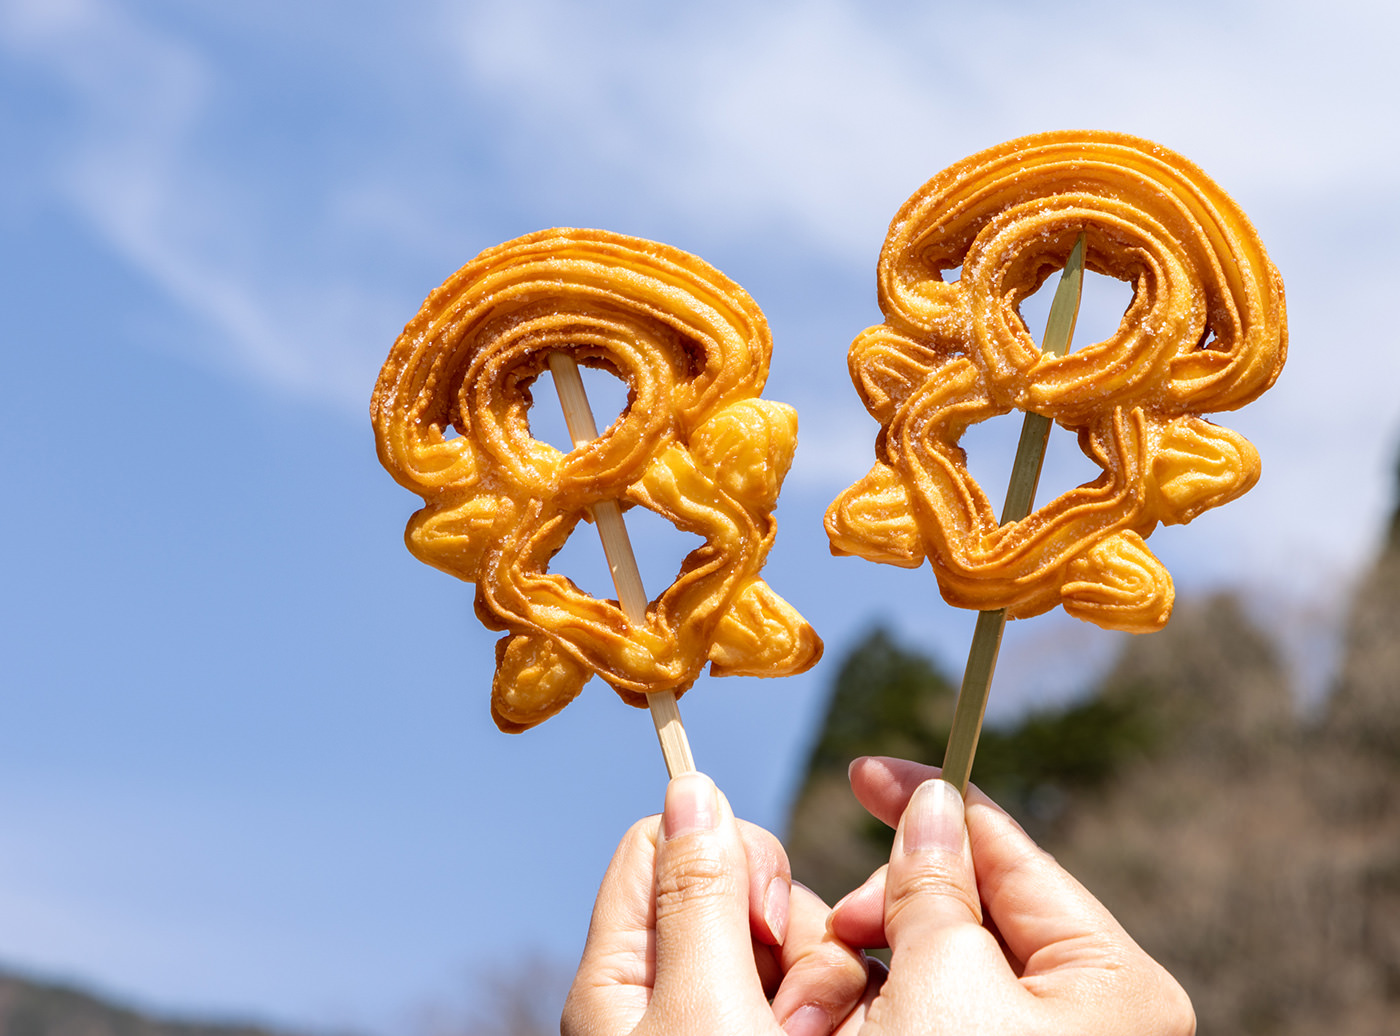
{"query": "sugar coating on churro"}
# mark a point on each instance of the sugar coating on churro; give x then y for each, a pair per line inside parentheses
(695, 444)
(1205, 332)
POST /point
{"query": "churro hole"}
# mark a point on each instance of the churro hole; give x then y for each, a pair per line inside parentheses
(607, 397)
(991, 452)
(659, 546)
(1103, 302)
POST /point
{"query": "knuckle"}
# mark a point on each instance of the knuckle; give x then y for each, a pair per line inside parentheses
(1181, 1015)
(1161, 1004)
(577, 1010)
(913, 890)
(829, 977)
(693, 875)
(843, 976)
(644, 831)
(836, 964)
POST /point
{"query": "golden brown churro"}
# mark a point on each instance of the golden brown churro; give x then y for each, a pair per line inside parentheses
(1205, 332)
(695, 444)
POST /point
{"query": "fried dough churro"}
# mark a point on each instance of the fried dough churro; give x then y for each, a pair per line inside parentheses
(1205, 332)
(696, 444)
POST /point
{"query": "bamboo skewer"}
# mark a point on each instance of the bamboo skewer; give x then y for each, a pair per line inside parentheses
(1020, 498)
(622, 563)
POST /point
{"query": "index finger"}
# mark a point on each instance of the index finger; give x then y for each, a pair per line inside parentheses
(822, 977)
(884, 785)
(770, 883)
(1044, 916)
(618, 967)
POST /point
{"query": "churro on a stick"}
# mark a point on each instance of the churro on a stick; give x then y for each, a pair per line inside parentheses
(695, 444)
(1205, 333)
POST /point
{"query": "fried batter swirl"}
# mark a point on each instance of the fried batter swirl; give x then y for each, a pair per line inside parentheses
(695, 444)
(1205, 332)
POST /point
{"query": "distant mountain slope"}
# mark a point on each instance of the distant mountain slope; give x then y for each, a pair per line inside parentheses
(33, 1008)
(522, 999)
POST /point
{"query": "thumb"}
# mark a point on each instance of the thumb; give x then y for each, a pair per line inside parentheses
(704, 953)
(930, 887)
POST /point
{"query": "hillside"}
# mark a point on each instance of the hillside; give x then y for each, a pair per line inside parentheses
(29, 1007)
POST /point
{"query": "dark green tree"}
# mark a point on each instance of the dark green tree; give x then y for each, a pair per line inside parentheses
(890, 700)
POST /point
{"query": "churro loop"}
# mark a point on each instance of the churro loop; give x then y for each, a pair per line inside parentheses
(1205, 332)
(695, 444)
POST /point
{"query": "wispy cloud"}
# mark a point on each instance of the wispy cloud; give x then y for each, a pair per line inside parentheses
(133, 160)
(753, 130)
(824, 114)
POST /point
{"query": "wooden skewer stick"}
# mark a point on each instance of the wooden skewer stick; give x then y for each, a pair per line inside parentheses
(1020, 497)
(607, 516)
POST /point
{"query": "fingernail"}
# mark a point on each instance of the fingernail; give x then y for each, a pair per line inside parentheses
(692, 804)
(808, 1020)
(933, 819)
(776, 901)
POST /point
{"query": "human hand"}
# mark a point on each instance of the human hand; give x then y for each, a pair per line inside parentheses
(1046, 958)
(698, 924)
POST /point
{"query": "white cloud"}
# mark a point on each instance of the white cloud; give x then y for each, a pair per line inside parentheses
(736, 126)
(133, 161)
(826, 115)
(817, 119)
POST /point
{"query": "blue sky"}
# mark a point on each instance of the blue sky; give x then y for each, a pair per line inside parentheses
(246, 761)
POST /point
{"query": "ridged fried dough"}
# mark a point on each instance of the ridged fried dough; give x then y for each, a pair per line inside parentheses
(1205, 332)
(695, 444)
